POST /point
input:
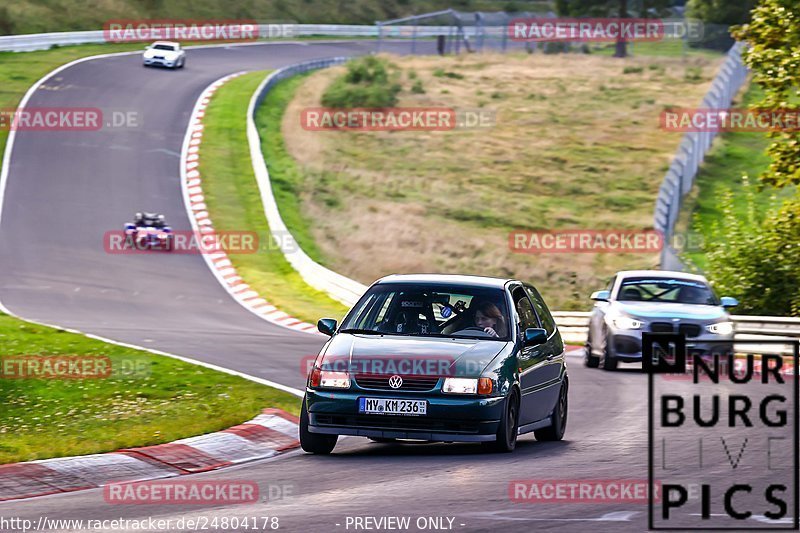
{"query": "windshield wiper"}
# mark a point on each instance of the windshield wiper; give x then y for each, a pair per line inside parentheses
(362, 331)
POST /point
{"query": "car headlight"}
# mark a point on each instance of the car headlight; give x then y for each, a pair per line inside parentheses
(721, 328)
(328, 379)
(467, 386)
(626, 322)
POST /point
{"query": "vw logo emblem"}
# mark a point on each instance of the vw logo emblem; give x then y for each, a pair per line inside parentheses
(395, 382)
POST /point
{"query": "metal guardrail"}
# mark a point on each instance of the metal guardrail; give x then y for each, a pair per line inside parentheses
(339, 287)
(43, 41)
(681, 174)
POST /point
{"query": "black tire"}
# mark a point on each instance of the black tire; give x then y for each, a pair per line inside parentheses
(506, 438)
(608, 362)
(590, 360)
(318, 443)
(560, 411)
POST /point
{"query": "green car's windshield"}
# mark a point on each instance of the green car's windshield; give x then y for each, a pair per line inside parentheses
(431, 310)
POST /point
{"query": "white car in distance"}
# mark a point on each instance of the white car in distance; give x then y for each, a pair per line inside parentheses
(165, 54)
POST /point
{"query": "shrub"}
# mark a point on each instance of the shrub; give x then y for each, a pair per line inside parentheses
(367, 83)
(756, 258)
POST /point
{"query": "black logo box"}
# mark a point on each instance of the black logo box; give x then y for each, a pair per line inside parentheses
(679, 366)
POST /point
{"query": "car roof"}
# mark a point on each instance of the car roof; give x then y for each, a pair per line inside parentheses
(171, 43)
(456, 279)
(660, 274)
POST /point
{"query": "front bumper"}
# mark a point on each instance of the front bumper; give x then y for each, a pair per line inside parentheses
(448, 418)
(627, 347)
(159, 63)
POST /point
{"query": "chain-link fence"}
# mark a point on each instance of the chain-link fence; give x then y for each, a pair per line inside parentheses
(459, 32)
(691, 152)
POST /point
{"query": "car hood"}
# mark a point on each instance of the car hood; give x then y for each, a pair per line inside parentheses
(390, 354)
(656, 310)
(166, 54)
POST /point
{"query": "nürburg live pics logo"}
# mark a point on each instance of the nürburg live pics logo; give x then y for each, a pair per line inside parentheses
(722, 441)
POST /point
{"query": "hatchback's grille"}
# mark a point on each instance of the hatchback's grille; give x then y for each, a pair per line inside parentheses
(410, 383)
(661, 327)
(689, 330)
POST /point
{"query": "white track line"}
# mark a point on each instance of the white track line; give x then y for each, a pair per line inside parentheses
(4, 173)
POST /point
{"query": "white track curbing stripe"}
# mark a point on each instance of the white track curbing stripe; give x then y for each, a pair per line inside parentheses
(218, 262)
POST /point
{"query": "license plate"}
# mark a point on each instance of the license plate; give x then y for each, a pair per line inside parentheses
(392, 406)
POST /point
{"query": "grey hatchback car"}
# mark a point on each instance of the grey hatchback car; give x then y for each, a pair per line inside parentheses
(658, 301)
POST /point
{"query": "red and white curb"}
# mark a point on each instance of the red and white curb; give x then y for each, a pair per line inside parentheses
(269, 434)
(218, 261)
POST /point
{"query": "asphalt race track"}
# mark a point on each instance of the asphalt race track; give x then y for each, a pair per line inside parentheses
(65, 190)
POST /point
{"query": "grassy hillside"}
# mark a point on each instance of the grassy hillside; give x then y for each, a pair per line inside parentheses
(31, 16)
(576, 145)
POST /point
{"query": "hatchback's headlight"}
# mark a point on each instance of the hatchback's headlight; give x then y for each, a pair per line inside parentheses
(467, 386)
(626, 322)
(721, 328)
(327, 379)
(460, 386)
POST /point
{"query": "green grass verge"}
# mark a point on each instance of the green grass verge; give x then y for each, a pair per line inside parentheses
(666, 48)
(29, 16)
(234, 204)
(148, 399)
(734, 155)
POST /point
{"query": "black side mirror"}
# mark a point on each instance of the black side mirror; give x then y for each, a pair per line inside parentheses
(327, 326)
(534, 336)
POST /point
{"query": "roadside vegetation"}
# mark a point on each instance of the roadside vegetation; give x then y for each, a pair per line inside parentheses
(734, 156)
(234, 204)
(755, 257)
(575, 144)
(33, 16)
(146, 399)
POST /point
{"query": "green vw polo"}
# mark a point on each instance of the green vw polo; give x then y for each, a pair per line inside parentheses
(439, 358)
